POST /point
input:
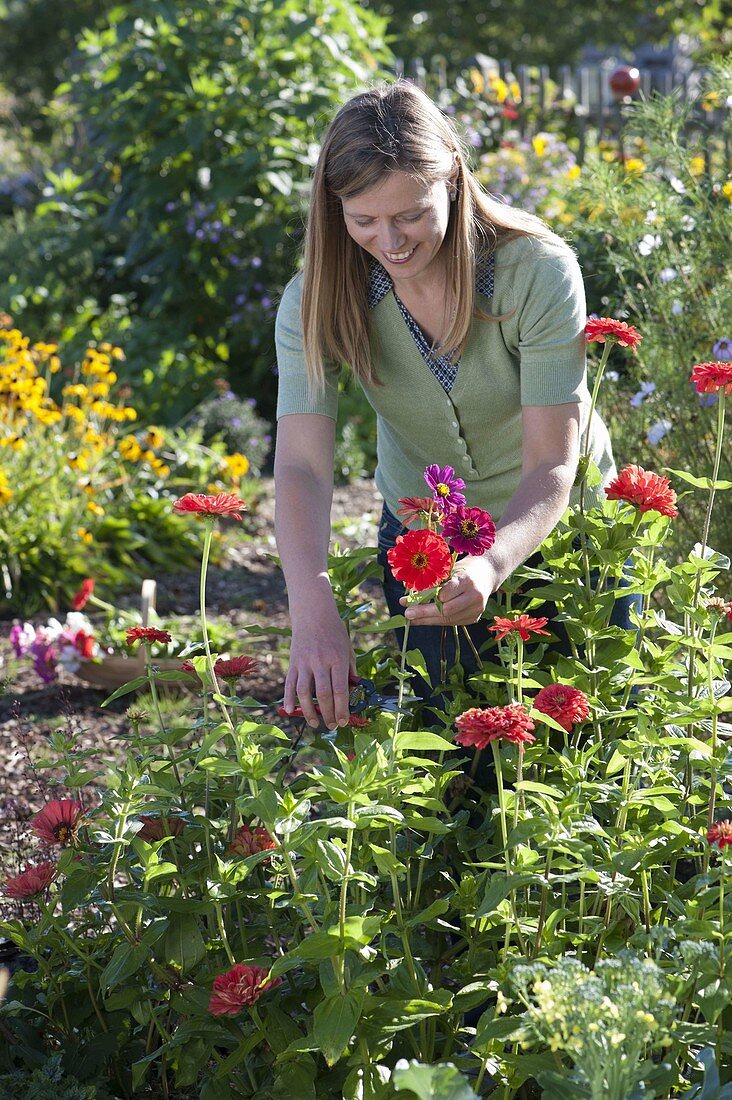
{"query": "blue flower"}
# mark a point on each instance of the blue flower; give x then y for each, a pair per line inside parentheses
(722, 350)
(658, 431)
(647, 388)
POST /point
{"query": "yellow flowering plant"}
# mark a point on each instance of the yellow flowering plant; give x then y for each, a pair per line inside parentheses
(83, 488)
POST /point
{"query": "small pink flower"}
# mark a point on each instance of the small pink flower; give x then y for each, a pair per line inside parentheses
(241, 986)
(34, 880)
(58, 821)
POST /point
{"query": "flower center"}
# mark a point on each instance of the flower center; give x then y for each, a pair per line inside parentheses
(442, 490)
(62, 833)
(469, 528)
(420, 560)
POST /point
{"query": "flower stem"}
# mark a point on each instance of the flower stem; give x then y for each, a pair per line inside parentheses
(204, 625)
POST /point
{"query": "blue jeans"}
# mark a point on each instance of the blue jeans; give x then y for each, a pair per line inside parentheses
(437, 643)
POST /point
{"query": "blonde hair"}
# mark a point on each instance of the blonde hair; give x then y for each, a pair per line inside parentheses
(390, 128)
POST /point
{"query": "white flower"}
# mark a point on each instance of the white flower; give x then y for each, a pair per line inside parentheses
(658, 431)
(75, 622)
(688, 223)
(648, 243)
(69, 657)
(676, 307)
(668, 274)
(612, 376)
(204, 177)
(677, 185)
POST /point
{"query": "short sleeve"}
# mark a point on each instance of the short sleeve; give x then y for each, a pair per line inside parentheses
(294, 393)
(551, 327)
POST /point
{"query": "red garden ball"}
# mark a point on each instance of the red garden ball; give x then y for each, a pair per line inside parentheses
(624, 80)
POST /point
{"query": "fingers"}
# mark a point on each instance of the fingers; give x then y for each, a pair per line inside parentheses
(460, 604)
(322, 696)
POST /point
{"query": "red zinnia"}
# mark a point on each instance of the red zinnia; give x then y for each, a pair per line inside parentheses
(524, 625)
(147, 634)
(242, 985)
(417, 508)
(34, 880)
(57, 821)
(469, 530)
(420, 560)
(720, 833)
(81, 597)
(647, 491)
(600, 329)
(222, 504)
(296, 712)
(235, 667)
(712, 377)
(479, 726)
(566, 705)
(155, 827)
(249, 841)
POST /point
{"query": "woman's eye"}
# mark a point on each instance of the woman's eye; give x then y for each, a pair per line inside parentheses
(414, 217)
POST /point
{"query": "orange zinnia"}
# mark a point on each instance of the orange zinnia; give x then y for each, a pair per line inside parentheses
(420, 560)
(647, 491)
(524, 625)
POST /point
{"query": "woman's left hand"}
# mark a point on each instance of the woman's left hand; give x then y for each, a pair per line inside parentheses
(462, 598)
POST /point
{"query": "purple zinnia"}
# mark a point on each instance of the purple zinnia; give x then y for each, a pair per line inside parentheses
(722, 350)
(469, 530)
(445, 486)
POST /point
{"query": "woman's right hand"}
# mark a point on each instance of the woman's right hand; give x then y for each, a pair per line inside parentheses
(321, 662)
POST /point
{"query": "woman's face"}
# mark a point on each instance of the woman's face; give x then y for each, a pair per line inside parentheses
(402, 223)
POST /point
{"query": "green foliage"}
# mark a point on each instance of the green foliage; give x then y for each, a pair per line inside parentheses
(663, 251)
(178, 217)
(430, 927)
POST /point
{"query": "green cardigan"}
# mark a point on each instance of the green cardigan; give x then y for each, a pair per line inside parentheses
(534, 357)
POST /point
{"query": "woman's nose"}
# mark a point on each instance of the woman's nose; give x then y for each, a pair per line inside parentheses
(390, 237)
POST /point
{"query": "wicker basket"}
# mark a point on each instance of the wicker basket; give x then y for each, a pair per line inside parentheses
(116, 669)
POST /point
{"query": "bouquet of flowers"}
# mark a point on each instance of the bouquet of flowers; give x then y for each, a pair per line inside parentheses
(56, 644)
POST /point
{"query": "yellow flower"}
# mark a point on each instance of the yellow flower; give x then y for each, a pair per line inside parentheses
(14, 442)
(499, 88)
(711, 100)
(238, 465)
(84, 535)
(697, 166)
(6, 492)
(539, 143)
(99, 389)
(74, 413)
(635, 166)
(54, 364)
(79, 461)
(477, 82)
(515, 89)
(94, 508)
(727, 190)
(130, 449)
(149, 456)
(154, 438)
(77, 390)
(160, 468)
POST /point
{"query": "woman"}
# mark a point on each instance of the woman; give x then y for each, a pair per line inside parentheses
(463, 320)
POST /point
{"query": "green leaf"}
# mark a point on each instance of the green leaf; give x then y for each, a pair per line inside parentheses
(423, 741)
(334, 1022)
(182, 945)
(442, 1081)
(126, 960)
(498, 888)
(131, 685)
(699, 482)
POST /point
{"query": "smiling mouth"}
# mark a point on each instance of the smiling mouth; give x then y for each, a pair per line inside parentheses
(399, 257)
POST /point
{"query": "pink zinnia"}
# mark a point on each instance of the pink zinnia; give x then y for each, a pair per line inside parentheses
(479, 726)
(469, 530)
(58, 821)
(34, 880)
(247, 842)
(242, 985)
(566, 705)
(220, 504)
(445, 486)
(720, 833)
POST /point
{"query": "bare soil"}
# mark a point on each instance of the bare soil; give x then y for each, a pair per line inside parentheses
(245, 587)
